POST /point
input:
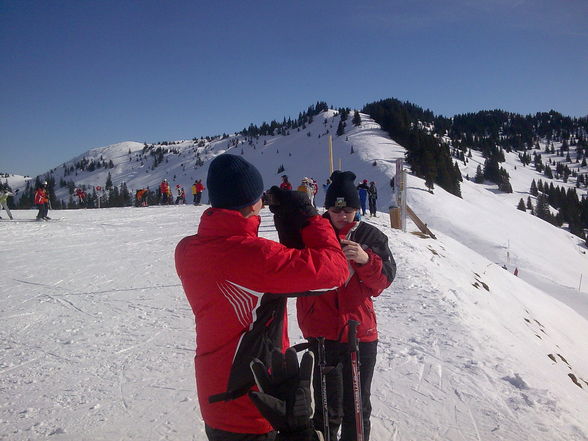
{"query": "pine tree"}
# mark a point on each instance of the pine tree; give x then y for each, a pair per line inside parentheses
(521, 205)
(479, 178)
(356, 119)
(108, 185)
(529, 204)
(340, 128)
(534, 190)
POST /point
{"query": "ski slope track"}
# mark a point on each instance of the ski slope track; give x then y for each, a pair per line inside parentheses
(97, 338)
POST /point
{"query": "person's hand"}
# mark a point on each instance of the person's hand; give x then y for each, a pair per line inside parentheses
(284, 396)
(354, 251)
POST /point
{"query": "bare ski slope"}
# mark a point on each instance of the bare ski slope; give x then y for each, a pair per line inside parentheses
(97, 337)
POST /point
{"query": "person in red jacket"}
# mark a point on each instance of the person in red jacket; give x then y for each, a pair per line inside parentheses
(42, 201)
(237, 285)
(165, 191)
(372, 269)
(285, 185)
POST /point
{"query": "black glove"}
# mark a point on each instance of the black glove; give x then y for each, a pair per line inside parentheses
(291, 209)
(285, 398)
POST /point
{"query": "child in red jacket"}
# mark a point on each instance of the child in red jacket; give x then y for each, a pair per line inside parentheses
(372, 270)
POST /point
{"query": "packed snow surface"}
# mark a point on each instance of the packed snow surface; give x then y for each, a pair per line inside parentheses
(98, 338)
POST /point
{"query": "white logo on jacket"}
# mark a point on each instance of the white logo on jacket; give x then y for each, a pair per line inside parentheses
(244, 301)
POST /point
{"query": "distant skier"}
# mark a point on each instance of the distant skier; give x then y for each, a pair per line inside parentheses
(42, 201)
(314, 185)
(197, 190)
(285, 185)
(4, 201)
(307, 188)
(372, 198)
(81, 195)
(362, 189)
(141, 198)
(180, 198)
(164, 189)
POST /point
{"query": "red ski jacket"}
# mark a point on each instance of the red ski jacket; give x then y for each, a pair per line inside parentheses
(237, 284)
(41, 196)
(327, 315)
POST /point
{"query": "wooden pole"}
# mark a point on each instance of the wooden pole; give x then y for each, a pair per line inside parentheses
(331, 169)
(419, 223)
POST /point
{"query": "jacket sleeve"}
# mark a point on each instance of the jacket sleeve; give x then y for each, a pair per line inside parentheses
(371, 274)
(320, 266)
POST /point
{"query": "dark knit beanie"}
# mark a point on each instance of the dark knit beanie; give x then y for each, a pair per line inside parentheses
(342, 191)
(233, 183)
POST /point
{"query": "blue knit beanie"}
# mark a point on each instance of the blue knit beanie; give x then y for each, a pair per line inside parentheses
(233, 183)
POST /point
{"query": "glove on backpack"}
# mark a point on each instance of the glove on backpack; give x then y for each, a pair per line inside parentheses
(285, 398)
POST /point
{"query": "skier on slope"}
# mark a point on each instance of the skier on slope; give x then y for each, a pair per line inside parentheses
(197, 190)
(372, 198)
(42, 201)
(362, 189)
(285, 185)
(372, 269)
(307, 188)
(237, 319)
(4, 194)
(180, 194)
(164, 189)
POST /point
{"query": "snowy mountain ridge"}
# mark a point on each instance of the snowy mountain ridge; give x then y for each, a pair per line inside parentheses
(467, 350)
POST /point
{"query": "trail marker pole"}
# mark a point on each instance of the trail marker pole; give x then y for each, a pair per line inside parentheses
(331, 169)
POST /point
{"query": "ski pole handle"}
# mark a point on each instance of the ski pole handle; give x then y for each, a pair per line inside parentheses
(353, 344)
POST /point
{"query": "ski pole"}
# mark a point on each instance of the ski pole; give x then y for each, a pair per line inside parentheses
(322, 366)
(356, 382)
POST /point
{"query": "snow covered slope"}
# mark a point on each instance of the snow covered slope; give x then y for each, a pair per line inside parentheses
(97, 337)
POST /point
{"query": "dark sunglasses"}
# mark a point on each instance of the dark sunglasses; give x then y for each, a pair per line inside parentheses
(338, 210)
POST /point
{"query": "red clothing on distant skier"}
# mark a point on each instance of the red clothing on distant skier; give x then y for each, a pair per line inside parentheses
(286, 186)
(327, 315)
(164, 187)
(227, 272)
(199, 187)
(41, 196)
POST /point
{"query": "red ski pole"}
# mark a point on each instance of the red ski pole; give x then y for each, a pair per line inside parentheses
(355, 378)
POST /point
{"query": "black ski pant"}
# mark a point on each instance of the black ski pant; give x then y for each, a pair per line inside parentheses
(372, 203)
(43, 210)
(340, 388)
(222, 435)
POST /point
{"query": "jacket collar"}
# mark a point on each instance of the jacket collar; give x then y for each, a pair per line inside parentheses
(220, 222)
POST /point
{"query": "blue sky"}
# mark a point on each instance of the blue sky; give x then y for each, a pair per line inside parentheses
(81, 74)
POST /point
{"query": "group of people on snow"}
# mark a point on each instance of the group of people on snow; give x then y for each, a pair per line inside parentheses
(369, 194)
(334, 265)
